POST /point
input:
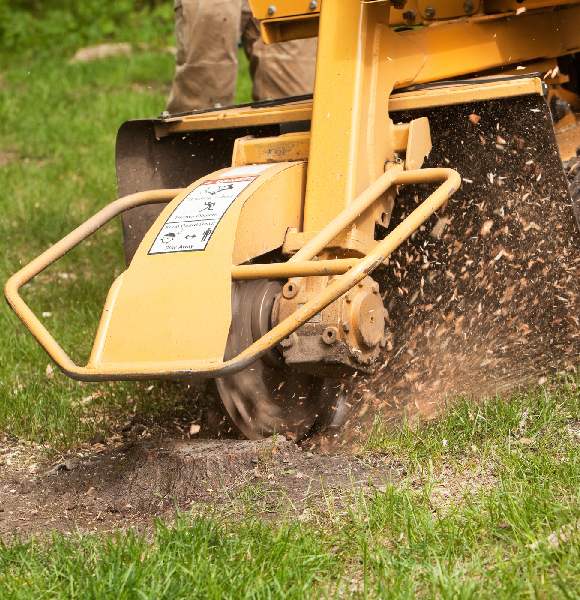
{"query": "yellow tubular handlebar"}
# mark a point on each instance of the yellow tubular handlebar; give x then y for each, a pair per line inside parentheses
(57, 251)
(350, 271)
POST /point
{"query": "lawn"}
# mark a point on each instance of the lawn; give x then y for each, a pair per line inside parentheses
(488, 503)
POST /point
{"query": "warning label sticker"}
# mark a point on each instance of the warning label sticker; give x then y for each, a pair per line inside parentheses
(190, 226)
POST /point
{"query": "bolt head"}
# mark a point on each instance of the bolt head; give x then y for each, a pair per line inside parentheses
(313, 5)
(290, 290)
(429, 12)
(409, 16)
(330, 335)
(271, 9)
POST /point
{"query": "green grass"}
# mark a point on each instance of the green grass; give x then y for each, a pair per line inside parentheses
(58, 123)
(509, 528)
(476, 428)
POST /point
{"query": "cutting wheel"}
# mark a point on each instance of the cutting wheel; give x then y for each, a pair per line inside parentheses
(268, 397)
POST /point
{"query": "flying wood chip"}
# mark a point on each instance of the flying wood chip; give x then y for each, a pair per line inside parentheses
(504, 270)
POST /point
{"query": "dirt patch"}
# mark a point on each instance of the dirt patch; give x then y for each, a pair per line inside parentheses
(103, 51)
(7, 157)
(130, 484)
(455, 482)
(100, 52)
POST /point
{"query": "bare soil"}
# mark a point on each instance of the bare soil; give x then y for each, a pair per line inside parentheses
(132, 482)
(7, 156)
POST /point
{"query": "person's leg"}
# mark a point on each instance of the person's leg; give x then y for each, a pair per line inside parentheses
(278, 70)
(207, 34)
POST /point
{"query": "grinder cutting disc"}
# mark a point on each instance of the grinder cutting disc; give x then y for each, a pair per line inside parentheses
(268, 397)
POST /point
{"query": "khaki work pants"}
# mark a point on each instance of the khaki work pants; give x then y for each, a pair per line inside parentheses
(208, 32)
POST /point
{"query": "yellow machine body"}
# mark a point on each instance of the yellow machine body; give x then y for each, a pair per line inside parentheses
(153, 298)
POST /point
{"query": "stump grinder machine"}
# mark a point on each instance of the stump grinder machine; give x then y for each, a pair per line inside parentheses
(406, 233)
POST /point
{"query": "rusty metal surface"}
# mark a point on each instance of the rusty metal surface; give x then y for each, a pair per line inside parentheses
(486, 296)
(344, 337)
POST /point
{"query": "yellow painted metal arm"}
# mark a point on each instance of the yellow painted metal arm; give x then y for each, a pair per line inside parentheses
(354, 272)
(57, 251)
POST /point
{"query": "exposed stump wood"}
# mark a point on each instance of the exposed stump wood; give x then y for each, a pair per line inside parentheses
(133, 483)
